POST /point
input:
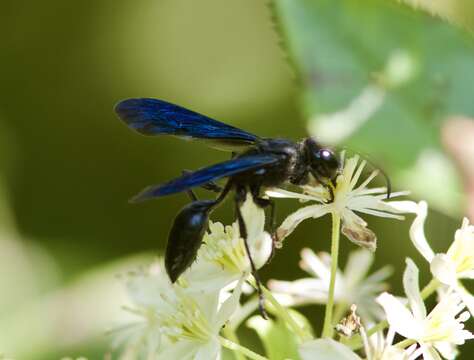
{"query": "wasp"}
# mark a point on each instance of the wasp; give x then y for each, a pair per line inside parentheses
(256, 164)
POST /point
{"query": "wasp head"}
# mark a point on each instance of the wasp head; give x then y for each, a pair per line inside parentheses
(323, 163)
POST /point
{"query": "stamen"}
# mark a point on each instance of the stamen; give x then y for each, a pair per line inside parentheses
(348, 170)
(368, 180)
(380, 213)
(356, 176)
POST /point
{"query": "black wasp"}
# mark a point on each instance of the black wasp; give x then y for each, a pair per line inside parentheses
(257, 163)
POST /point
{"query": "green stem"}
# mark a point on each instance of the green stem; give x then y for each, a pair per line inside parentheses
(327, 328)
(242, 349)
(285, 315)
(355, 342)
(405, 343)
(430, 288)
(379, 327)
(232, 336)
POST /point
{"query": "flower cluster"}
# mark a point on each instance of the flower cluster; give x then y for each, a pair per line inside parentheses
(353, 286)
(184, 320)
(198, 316)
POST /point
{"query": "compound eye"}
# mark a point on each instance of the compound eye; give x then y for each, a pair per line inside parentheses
(330, 161)
(325, 154)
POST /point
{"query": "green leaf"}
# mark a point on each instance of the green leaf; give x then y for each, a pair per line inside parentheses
(460, 12)
(326, 349)
(279, 342)
(381, 80)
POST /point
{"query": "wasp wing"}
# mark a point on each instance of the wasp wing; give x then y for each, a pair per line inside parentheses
(158, 117)
(206, 174)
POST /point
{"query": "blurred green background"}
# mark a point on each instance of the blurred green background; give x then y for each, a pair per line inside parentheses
(68, 165)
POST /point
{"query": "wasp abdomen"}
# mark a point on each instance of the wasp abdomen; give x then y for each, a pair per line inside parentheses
(185, 237)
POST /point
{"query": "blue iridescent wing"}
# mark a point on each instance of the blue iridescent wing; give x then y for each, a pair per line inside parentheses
(157, 117)
(207, 174)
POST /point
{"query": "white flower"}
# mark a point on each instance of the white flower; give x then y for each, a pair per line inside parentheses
(438, 331)
(173, 322)
(222, 259)
(457, 263)
(378, 347)
(352, 285)
(348, 199)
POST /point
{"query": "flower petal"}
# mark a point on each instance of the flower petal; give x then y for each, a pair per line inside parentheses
(229, 306)
(447, 350)
(325, 349)
(358, 265)
(205, 276)
(466, 297)
(354, 228)
(379, 213)
(429, 353)
(466, 275)
(404, 206)
(444, 269)
(380, 275)
(144, 288)
(314, 265)
(208, 351)
(183, 350)
(261, 249)
(282, 193)
(398, 316)
(303, 290)
(206, 302)
(254, 218)
(417, 233)
(412, 290)
(292, 221)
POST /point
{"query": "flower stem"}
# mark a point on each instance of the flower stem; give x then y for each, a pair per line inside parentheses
(405, 343)
(232, 336)
(379, 327)
(327, 328)
(242, 349)
(429, 289)
(286, 316)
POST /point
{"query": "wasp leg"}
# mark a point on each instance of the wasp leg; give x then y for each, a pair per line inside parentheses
(190, 193)
(211, 186)
(329, 185)
(240, 196)
(331, 191)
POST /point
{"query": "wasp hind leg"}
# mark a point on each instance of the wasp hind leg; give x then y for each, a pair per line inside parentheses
(210, 186)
